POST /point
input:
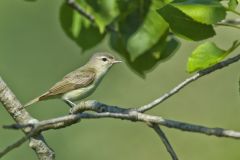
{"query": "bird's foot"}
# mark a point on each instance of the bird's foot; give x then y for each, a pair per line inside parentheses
(71, 111)
(69, 103)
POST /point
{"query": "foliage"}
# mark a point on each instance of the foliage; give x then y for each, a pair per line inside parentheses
(146, 32)
(208, 54)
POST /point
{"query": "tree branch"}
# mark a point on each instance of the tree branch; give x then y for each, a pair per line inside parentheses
(16, 144)
(228, 25)
(106, 111)
(80, 10)
(75, 6)
(231, 21)
(164, 139)
(123, 114)
(186, 82)
(21, 116)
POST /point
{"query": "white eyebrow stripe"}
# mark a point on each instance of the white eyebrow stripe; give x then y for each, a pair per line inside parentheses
(104, 57)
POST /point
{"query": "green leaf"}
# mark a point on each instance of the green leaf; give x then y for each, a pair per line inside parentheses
(80, 30)
(142, 35)
(184, 26)
(140, 26)
(161, 51)
(203, 11)
(208, 54)
(104, 11)
(148, 33)
(232, 4)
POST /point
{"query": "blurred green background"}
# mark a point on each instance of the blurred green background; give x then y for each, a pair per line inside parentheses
(35, 53)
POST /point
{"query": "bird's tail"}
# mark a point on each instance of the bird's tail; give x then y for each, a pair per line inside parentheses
(42, 97)
(32, 101)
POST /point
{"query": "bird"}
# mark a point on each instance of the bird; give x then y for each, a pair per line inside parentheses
(81, 82)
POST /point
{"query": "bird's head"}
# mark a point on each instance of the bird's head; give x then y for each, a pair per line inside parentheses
(103, 61)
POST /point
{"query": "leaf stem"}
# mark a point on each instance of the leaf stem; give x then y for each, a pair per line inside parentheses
(233, 11)
(228, 25)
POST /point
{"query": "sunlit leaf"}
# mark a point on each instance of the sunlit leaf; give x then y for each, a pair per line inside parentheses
(206, 55)
(203, 11)
(232, 4)
(184, 26)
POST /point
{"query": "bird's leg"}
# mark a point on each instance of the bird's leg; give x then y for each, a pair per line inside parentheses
(69, 103)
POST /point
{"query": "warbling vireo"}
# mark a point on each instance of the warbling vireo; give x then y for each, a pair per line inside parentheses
(80, 83)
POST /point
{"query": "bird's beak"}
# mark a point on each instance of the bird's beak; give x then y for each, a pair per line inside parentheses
(116, 61)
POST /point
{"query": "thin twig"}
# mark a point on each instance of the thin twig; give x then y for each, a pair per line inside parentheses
(231, 21)
(186, 82)
(80, 10)
(18, 126)
(219, 132)
(16, 144)
(165, 141)
(228, 25)
(74, 5)
(234, 11)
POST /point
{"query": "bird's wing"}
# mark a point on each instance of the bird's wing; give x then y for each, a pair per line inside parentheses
(74, 80)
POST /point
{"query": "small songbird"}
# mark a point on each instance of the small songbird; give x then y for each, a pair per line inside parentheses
(80, 83)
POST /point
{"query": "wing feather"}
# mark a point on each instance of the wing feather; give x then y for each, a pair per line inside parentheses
(74, 80)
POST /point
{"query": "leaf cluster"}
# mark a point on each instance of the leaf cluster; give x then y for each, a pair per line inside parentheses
(147, 32)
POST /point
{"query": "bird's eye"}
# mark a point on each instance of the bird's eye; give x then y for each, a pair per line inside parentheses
(104, 59)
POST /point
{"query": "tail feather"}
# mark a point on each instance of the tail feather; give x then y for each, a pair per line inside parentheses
(32, 101)
(42, 97)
